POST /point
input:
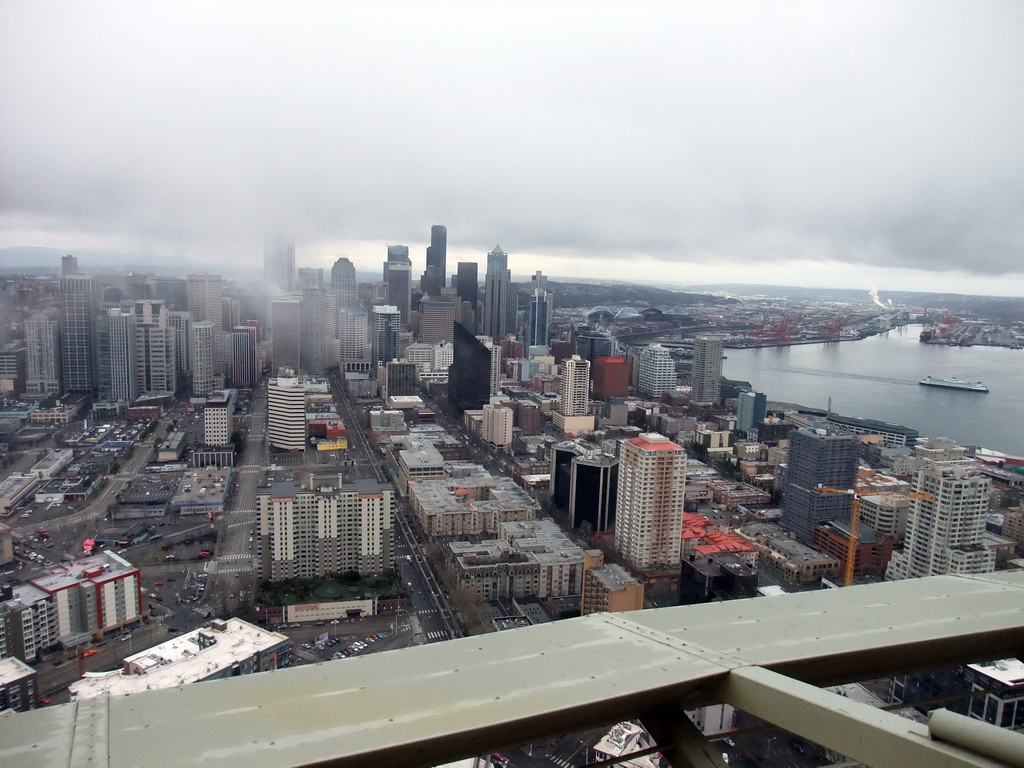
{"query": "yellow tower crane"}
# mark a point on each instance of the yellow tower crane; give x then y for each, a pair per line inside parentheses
(851, 545)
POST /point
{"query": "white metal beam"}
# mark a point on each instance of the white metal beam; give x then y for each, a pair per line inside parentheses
(440, 702)
(873, 736)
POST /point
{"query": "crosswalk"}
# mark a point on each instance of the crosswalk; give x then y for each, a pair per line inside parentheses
(427, 611)
(241, 524)
(439, 635)
(561, 761)
(235, 557)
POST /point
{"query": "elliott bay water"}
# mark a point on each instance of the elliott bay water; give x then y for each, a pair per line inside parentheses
(877, 378)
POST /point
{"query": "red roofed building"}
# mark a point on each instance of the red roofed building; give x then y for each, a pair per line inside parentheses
(651, 494)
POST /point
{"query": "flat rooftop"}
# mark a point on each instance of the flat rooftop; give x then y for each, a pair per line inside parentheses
(12, 669)
(179, 661)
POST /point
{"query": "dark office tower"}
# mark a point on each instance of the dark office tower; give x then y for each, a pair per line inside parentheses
(205, 293)
(123, 378)
(385, 324)
(611, 378)
(173, 291)
(437, 253)
(243, 370)
(285, 315)
(438, 315)
(313, 346)
(310, 277)
(402, 378)
(469, 375)
(181, 322)
(68, 265)
(591, 345)
(594, 483)
(78, 309)
(343, 283)
(585, 482)
(467, 286)
(231, 312)
(398, 277)
(104, 383)
(499, 298)
(254, 308)
(279, 263)
(751, 408)
(562, 455)
(818, 459)
(537, 330)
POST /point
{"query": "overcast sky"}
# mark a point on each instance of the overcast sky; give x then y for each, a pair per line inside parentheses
(808, 143)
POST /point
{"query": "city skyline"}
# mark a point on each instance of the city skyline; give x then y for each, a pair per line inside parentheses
(827, 146)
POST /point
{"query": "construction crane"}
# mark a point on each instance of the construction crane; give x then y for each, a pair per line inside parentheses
(831, 330)
(851, 545)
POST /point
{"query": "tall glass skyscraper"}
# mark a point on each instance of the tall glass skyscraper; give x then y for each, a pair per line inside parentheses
(537, 332)
(279, 262)
(398, 277)
(434, 278)
(385, 323)
(78, 309)
(499, 298)
(343, 283)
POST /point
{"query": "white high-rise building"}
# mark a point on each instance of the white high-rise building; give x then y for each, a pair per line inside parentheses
(123, 380)
(574, 389)
(657, 371)
(218, 417)
(154, 349)
(42, 351)
(706, 376)
(946, 523)
(204, 378)
(496, 428)
(306, 533)
(286, 414)
(205, 294)
(352, 334)
(495, 377)
(649, 508)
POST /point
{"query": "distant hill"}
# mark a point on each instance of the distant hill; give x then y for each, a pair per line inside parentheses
(34, 260)
(1008, 309)
(588, 295)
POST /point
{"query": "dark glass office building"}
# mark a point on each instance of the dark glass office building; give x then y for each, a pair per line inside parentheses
(469, 375)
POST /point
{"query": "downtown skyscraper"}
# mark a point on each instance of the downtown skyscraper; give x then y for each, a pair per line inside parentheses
(279, 263)
(398, 277)
(706, 378)
(499, 296)
(434, 278)
(43, 357)
(650, 499)
(78, 308)
(946, 522)
(822, 464)
(343, 283)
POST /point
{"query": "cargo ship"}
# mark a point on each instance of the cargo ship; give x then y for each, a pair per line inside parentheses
(954, 383)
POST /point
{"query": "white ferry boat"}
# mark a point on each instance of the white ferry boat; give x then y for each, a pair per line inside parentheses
(954, 383)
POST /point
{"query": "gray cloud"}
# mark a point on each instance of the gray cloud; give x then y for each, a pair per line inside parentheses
(870, 133)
